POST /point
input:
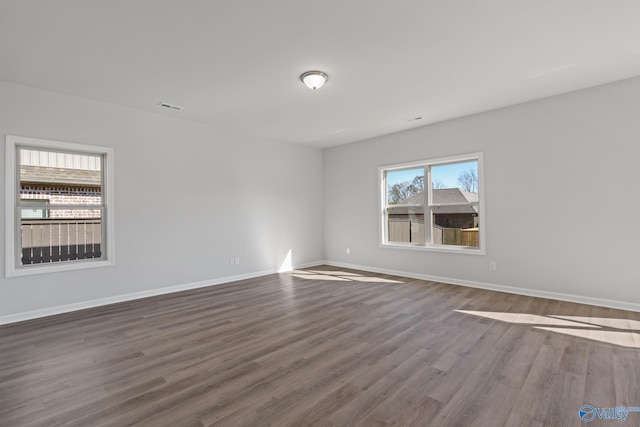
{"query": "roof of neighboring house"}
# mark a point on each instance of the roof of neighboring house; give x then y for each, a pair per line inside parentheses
(49, 175)
(415, 203)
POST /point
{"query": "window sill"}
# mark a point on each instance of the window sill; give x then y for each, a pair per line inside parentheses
(465, 250)
(30, 270)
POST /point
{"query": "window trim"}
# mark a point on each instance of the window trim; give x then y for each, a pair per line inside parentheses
(12, 190)
(428, 246)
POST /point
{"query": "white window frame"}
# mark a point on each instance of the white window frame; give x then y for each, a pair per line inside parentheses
(428, 210)
(13, 243)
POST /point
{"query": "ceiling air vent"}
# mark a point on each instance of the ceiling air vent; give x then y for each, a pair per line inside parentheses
(170, 106)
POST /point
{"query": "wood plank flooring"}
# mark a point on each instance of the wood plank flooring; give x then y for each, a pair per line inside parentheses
(322, 347)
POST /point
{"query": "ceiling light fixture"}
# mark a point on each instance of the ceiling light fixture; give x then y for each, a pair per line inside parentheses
(314, 79)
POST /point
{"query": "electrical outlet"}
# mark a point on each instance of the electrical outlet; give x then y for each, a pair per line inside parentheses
(230, 260)
(348, 251)
(492, 266)
(237, 260)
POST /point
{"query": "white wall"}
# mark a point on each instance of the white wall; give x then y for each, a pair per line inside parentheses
(562, 200)
(187, 196)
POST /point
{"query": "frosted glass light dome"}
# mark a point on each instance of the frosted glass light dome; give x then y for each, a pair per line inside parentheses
(314, 79)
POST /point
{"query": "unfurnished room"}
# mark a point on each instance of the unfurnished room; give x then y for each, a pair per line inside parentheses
(286, 213)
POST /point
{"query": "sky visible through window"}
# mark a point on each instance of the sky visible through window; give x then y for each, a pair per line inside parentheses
(447, 174)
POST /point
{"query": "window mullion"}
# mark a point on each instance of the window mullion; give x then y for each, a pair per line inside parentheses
(427, 208)
(42, 204)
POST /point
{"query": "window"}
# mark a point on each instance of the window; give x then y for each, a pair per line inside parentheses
(434, 204)
(59, 200)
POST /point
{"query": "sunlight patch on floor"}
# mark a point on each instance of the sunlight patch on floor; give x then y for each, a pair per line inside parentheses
(605, 321)
(524, 319)
(341, 276)
(624, 339)
(319, 277)
(621, 332)
(333, 273)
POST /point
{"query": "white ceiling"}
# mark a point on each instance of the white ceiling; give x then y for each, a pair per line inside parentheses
(235, 63)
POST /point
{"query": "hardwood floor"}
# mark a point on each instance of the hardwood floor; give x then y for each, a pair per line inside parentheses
(322, 347)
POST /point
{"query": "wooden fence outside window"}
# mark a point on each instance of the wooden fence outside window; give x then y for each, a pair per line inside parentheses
(46, 241)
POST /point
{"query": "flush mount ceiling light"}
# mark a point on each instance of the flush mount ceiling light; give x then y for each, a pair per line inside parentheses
(314, 79)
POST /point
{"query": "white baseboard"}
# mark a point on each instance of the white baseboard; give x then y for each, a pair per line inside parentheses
(50, 311)
(35, 314)
(621, 305)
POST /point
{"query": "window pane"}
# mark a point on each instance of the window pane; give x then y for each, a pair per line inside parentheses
(61, 235)
(454, 204)
(58, 178)
(405, 206)
(463, 176)
(47, 179)
(36, 212)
